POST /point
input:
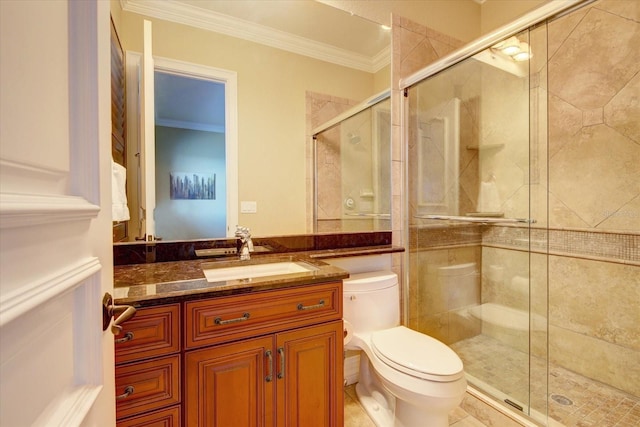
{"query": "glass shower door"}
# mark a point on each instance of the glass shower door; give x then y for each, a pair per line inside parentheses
(471, 170)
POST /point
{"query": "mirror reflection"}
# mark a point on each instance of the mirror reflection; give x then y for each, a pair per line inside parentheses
(286, 80)
(353, 170)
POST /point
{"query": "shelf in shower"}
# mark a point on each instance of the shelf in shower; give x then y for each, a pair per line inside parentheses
(485, 147)
(372, 215)
(480, 219)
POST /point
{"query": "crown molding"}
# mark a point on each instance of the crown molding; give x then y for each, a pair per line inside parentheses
(242, 29)
(181, 124)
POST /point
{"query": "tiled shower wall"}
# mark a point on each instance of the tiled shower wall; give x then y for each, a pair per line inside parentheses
(594, 192)
(320, 109)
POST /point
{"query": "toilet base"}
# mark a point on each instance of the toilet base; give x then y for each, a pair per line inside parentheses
(379, 399)
(377, 407)
(408, 415)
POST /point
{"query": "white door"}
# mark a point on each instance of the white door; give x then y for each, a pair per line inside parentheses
(56, 363)
(148, 135)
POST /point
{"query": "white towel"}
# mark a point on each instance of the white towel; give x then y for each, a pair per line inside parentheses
(488, 197)
(119, 208)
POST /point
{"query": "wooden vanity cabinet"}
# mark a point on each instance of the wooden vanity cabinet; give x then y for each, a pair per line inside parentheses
(285, 370)
(148, 366)
(261, 359)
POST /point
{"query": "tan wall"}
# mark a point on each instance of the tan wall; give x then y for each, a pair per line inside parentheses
(496, 13)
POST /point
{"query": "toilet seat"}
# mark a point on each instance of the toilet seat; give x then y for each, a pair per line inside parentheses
(416, 354)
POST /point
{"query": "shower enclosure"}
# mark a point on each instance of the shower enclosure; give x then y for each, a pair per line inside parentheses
(523, 191)
(353, 169)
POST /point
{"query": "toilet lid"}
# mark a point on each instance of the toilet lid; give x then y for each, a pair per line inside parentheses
(416, 354)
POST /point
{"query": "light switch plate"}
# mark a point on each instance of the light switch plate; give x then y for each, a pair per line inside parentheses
(248, 207)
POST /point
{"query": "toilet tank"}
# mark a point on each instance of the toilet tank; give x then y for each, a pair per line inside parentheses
(372, 301)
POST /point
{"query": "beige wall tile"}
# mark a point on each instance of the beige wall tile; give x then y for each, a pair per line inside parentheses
(596, 172)
(598, 299)
(485, 413)
(588, 84)
(622, 112)
(611, 364)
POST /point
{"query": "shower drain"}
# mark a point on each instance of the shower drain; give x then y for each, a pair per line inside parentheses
(562, 400)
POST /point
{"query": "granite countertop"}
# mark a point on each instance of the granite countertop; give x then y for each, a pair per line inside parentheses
(166, 282)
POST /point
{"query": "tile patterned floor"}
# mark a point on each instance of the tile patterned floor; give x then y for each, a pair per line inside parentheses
(355, 415)
(574, 401)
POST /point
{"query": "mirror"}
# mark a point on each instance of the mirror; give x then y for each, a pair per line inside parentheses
(292, 75)
(353, 169)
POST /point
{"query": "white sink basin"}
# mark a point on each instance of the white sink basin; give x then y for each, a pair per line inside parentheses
(214, 274)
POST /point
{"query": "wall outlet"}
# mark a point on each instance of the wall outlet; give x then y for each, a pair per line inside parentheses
(248, 207)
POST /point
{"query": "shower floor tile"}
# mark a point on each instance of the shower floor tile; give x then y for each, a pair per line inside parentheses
(572, 399)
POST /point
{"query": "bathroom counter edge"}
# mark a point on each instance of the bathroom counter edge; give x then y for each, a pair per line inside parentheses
(167, 282)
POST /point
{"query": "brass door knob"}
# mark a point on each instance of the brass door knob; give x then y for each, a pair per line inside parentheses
(109, 310)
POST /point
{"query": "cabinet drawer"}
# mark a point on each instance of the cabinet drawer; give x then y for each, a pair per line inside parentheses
(169, 417)
(148, 385)
(152, 332)
(229, 318)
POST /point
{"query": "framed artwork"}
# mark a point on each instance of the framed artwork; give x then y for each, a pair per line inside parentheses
(192, 186)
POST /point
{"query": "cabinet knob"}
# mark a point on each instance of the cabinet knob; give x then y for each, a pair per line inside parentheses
(128, 391)
(127, 337)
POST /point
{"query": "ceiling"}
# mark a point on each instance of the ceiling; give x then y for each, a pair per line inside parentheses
(189, 103)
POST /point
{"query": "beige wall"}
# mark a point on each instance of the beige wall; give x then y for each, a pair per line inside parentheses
(271, 112)
(496, 13)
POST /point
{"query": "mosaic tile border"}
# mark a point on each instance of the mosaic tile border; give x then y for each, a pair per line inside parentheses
(600, 245)
(607, 246)
(430, 237)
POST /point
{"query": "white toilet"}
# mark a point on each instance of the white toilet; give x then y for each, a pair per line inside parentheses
(407, 378)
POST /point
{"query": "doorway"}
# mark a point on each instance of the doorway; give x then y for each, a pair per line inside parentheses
(190, 172)
(195, 160)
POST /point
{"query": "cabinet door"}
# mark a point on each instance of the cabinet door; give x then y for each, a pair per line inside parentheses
(229, 385)
(310, 376)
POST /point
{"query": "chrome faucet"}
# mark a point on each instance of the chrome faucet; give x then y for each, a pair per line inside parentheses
(244, 244)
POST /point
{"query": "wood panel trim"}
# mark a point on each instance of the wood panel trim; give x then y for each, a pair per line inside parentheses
(156, 332)
(19, 210)
(269, 311)
(24, 299)
(169, 417)
(158, 383)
